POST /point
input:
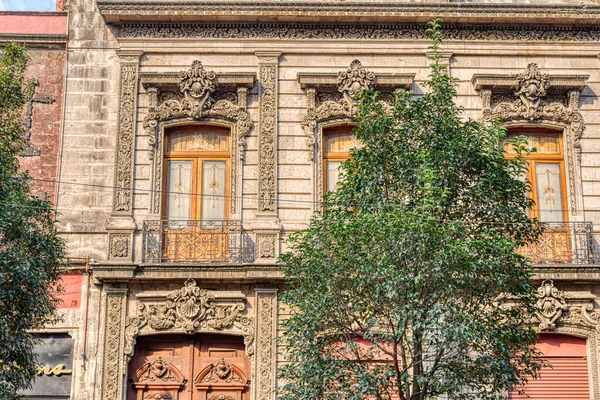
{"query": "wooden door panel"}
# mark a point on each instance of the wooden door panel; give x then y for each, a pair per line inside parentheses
(170, 366)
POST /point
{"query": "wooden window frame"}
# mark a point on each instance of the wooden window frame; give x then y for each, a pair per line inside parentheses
(536, 158)
(333, 156)
(197, 158)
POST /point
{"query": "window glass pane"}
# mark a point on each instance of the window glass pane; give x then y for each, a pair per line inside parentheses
(213, 189)
(544, 143)
(549, 192)
(340, 142)
(333, 174)
(179, 186)
(198, 141)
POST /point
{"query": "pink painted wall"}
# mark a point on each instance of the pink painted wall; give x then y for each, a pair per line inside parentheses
(33, 23)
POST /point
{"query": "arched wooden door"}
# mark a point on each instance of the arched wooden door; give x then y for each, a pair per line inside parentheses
(182, 367)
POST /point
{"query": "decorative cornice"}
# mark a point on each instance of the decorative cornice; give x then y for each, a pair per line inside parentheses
(330, 80)
(507, 83)
(33, 40)
(119, 10)
(362, 30)
(172, 79)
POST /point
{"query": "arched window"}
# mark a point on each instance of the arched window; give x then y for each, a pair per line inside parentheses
(337, 143)
(197, 174)
(546, 173)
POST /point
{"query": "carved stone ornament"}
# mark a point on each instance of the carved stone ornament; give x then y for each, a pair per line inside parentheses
(266, 245)
(119, 245)
(194, 100)
(533, 98)
(551, 306)
(189, 310)
(267, 135)
(122, 201)
(517, 32)
(531, 86)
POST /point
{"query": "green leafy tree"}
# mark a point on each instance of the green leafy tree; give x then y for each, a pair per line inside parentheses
(409, 284)
(30, 251)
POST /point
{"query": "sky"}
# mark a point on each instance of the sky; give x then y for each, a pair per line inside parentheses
(27, 5)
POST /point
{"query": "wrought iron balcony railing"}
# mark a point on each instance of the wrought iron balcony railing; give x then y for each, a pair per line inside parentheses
(192, 241)
(563, 243)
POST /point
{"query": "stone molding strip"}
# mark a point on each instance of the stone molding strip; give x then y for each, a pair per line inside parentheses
(362, 31)
(118, 10)
(507, 83)
(236, 79)
(329, 80)
(34, 40)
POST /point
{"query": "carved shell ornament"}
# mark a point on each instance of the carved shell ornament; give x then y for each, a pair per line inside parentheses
(159, 370)
(532, 85)
(197, 82)
(353, 80)
(551, 305)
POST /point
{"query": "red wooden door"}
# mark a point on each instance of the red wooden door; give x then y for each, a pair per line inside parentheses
(181, 367)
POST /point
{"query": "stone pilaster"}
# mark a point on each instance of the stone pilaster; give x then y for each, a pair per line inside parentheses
(121, 225)
(114, 339)
(268, 62)
(266, 350)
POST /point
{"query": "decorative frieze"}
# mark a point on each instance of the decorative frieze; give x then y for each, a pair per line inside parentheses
(118, 10)
(534, 98)
(358, 31)
(267, 137)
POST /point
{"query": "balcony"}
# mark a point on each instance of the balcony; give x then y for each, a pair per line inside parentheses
(563, 243)
(191, 241)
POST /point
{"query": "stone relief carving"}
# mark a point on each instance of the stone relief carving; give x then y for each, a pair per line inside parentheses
(125, 141)
(354, 80)
(189, 309)
(112, 382)
(221, 397)
(267, 136)
(266, 245)
(265, 370)
(196, 102)
(551, 306)
(537, 99)
(119, 245)
(365, 31)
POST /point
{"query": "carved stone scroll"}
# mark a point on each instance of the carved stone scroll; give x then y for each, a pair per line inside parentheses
(267, 136)
(534, 98)
(266, 347)
(190, 310)
(197, 95)
(112, 375)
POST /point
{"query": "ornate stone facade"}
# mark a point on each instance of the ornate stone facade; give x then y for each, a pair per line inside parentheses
(276, 75)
